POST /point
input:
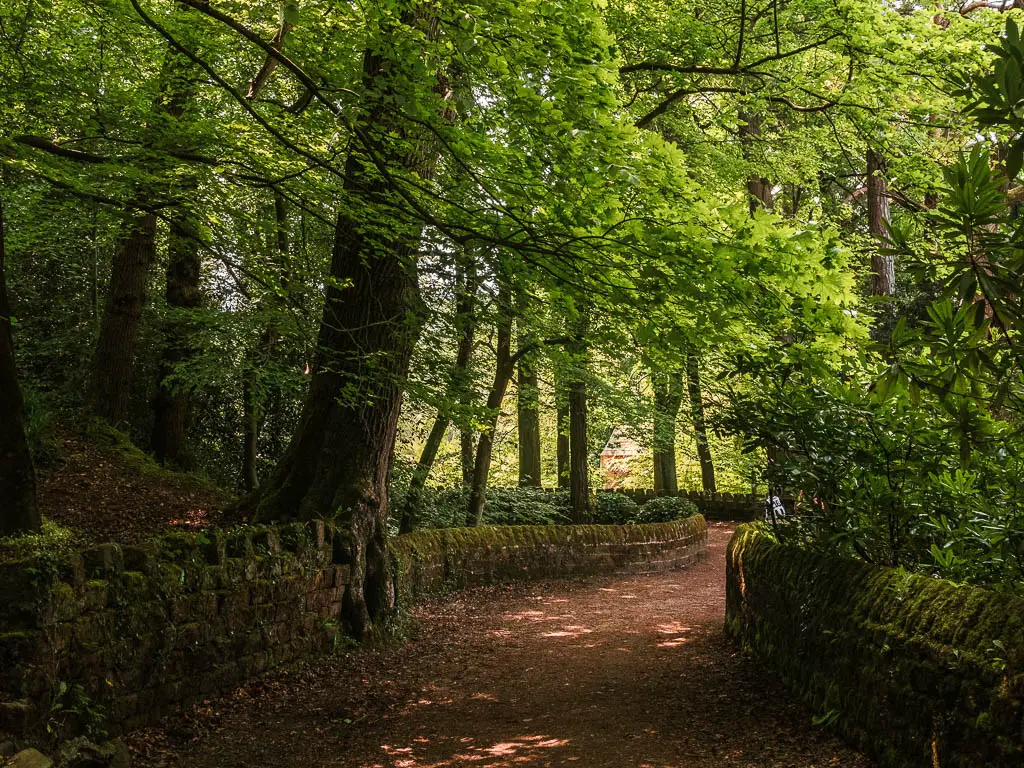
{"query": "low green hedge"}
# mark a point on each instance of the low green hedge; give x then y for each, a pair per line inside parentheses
(914, 670)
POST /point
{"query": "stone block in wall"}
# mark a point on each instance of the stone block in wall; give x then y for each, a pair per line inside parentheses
(905, 662)
(103, 560)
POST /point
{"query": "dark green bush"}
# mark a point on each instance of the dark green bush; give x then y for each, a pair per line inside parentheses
(615, 509)
(525, 506)
(664, 509)
(446, 507)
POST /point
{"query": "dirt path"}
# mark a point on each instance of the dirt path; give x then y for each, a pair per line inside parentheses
(615, 672)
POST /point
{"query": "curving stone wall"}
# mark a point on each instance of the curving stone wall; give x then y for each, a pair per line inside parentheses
(433, 562)
(115, 637)
(914, 670)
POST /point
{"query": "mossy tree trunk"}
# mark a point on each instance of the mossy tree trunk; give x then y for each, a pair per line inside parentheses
(339, 460)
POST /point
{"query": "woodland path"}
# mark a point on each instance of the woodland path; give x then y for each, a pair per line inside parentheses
(614, 672)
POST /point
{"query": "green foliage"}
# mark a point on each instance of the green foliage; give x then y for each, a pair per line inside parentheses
(614, 509)
(446, 507)
(71, 708)
(51, 543)
(663, 509)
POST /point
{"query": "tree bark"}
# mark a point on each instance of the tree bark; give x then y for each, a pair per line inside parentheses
(172, 402)
(579, 453)
(759, 188)
(707, 466)
(562, 431)
(883, 265)
(110, 382)
(503, 370)
(250, 436)
(339, 460)
(668, 396)
(19, 512)
(528, 414)
(467, 455)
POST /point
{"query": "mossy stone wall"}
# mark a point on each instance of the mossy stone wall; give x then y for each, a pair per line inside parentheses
(117, 636)
(916, 671)
(434, 562)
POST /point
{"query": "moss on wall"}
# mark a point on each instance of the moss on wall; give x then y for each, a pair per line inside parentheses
(916, 671)
(434, 562)
(114, 637)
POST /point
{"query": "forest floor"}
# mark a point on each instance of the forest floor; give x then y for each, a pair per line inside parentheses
(612, 672)
(106, 489)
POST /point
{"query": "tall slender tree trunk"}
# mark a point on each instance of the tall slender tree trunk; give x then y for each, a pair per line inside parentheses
(759, 188)
(883, 265)
(250, 435)
(700, 430)
(172, 402)
(562, 431)
(339, 460)
(668, 396)
(19, 512)
(110, 382)
(503, 370)
(253, 393)
(579, 453)
(467, 455)
(579, 448)
(465, 326)
(528, 414)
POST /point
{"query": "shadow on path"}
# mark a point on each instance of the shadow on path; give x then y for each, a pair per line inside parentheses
(614, 672)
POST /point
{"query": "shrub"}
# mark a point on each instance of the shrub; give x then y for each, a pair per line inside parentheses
(615, 509)
(664, 509)
(446, 507)
(525, 506)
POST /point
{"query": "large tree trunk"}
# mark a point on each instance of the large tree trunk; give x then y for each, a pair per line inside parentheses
(18, 510)
(700, 430)
(172, 402)
(883, 265)
(668, 396)
(339, 460)
(528, 414)
(503, 369)
(465, 326)
(110, 382)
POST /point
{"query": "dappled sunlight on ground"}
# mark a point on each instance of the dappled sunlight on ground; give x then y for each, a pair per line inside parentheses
(627, 672)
